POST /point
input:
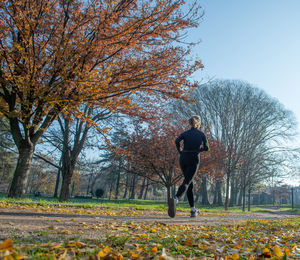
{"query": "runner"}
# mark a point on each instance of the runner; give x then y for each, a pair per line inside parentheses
(194, 142)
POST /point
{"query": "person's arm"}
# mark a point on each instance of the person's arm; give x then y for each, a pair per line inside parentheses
(177, 142)
(205, 144)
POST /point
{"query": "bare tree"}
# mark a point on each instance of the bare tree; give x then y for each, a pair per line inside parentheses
(245, 119)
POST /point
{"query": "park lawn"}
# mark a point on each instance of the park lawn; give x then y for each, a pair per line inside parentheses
(255, 239)
(132, 203)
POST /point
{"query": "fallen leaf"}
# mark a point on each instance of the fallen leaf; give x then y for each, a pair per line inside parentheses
(6, 245)
(154, 249)
(101, 254)
(277, 251)
(188, 242)
(106, 250)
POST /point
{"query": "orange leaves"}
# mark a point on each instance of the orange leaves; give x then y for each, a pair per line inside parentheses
(154, 250)
(65, 57)
(188, 242)
(7, 245)
(235, 256)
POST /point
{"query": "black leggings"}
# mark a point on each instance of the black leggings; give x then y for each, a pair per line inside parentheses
(189, 163)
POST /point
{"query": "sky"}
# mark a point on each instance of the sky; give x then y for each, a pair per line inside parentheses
(257, 41)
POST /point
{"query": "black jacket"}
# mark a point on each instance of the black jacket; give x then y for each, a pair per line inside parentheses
(194, 140)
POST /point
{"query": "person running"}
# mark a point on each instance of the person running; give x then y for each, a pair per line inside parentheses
(194, 142)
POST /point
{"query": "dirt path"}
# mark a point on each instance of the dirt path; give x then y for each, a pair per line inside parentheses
(25, 218)
(42, 226)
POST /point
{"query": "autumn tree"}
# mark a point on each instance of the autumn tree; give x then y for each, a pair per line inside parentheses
(58, 54)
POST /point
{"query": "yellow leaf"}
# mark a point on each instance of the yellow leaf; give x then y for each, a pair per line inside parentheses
(277, 251)
(54, 246)
(143, 235)
(265, 251)
(7, 244)
(235, 256)
(70, 244)
(154, 249)
(106, 249)
(20, 258)
(101, 254)
(135, 255)
(8, 257)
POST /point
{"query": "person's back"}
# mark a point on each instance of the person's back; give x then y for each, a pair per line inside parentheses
(194, 140)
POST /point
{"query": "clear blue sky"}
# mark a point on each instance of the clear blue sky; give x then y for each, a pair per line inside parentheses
(253, 40)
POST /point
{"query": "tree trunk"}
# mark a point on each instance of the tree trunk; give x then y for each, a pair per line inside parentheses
(142, 189)
(239, 202)
(226, 204)
(218, 194)
(70, 154)
(169, 192)
(126, 187)
(118, 184)
(57, 184)
(72, 190)
(204, 192)
(174, 190)
(249, 199)
(233, 193)
(132, 193)
(197, 197)
(146, 191)
(110, 189)
(244, 198)
(21, 174)
(65, 186)
(89, 184)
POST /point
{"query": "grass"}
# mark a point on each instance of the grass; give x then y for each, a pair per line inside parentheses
(134, 204)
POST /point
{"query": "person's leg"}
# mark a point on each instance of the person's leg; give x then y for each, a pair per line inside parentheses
(189, 173)
(172, 202)
(189, 167)
(190, 195)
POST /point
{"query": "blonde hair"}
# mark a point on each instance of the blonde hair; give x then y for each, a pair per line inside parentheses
(195, 121)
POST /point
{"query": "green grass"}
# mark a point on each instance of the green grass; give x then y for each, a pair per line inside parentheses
(134, 204)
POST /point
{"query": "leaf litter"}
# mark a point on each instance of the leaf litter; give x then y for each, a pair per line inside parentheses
(115, 239)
